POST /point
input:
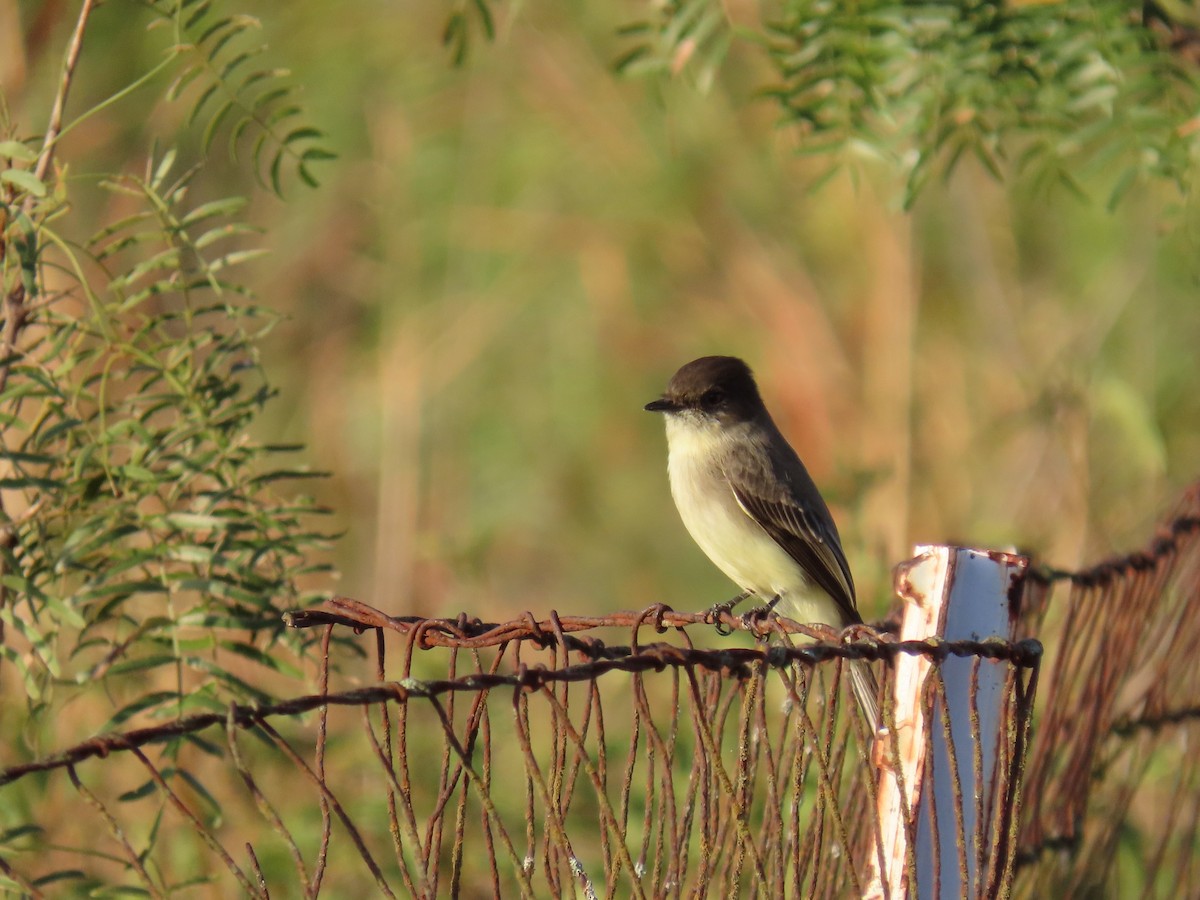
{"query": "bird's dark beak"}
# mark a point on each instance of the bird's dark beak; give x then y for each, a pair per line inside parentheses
(661, 405)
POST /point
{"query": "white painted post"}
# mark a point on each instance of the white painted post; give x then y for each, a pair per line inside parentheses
(955, 594)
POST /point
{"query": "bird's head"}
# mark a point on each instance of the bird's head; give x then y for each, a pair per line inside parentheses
(712, 389)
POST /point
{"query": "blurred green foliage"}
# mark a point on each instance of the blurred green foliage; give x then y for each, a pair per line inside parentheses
(148, 540)
(1035, 88)
(956, 241)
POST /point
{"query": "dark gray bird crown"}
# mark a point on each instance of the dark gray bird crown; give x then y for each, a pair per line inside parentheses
(718, 385)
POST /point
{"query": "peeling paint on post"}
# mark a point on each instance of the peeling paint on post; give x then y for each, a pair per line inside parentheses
(955, 594)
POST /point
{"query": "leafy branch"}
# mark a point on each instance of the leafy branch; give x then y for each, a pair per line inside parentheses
(466, 16)
(145, 537)
(127, 429)
(1037, 89)
(230, 93)
(23, 189)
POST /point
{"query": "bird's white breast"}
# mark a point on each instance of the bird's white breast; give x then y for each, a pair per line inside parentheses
(732, 540)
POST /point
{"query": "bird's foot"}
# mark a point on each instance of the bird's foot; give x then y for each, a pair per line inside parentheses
(752, 618)
(712, 616)
(858, 632)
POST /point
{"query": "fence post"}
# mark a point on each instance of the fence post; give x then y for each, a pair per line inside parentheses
(956, 594)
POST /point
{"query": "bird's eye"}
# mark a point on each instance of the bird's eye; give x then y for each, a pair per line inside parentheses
(711, 398)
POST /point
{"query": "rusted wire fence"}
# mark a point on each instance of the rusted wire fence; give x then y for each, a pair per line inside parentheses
(1112, 786)
(642, 754)
(544, 761)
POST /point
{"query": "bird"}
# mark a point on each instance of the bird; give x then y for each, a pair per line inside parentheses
(749, 503)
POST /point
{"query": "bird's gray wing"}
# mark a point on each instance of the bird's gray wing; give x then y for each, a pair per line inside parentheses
(810, 538)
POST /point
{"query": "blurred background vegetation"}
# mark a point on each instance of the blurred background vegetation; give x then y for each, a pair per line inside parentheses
(969, 296)
(511, 256)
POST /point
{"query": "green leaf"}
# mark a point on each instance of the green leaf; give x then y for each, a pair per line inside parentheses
(203, 792)
(266, 98)
(143, 664)
(189, 553)
(316, 153)
(206, 747)
(241, 687)
(66, 614)
(485, 19)
(208, 93)
(302, 133)
(228, 206)
(183, 80)
(281, 114)
(194, 521)
(24, 180)
(276, 183)
(164, 168)
(17, 832)
(191, 645)
(120, 890)
(18, 583)
(145, 789)
(249, 651)
(16, 150)
(19, 456)
(164, 260)
(49, 485)
(223, 232)
(230, 25)
(62, 875)
(237, 257)
(233, 64)
(202, 9)
(142, 704)
(214, 125)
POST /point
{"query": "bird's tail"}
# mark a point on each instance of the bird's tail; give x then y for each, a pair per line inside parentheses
(866, 691)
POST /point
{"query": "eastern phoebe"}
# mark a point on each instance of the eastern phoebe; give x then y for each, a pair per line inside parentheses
(750, 504)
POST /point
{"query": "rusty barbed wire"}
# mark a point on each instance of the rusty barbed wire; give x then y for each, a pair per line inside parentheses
(509, 758)
(1124, 679)
(740, 737)
(738, 663)
(1172, 535)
